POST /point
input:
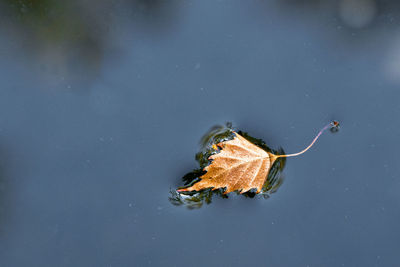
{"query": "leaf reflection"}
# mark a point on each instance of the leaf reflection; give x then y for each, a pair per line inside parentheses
(215, 135)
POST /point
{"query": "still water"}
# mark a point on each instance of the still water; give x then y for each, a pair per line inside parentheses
(103, 104)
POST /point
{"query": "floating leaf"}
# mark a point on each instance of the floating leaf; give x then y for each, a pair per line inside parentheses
(238, 165)
(196, 199)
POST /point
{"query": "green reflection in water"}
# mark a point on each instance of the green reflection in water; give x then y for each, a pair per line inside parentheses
(215, 135)
(65, 39)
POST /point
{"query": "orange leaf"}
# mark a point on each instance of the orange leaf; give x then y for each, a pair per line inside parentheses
(240, 165)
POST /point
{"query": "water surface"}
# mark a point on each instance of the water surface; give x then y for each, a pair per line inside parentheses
(103, 104)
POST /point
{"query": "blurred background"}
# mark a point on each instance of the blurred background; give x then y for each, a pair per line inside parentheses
(103, 104)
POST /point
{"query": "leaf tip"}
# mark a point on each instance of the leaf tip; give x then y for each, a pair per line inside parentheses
(182, 190)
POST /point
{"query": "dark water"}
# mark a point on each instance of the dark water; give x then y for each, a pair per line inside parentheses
(103, 103)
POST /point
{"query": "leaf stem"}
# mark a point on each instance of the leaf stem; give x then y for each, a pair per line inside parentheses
(332, 124)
